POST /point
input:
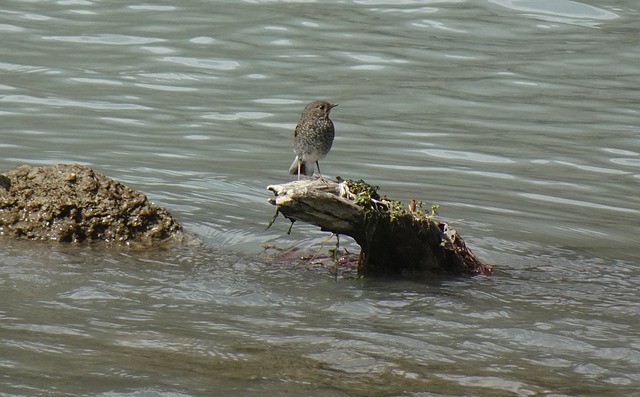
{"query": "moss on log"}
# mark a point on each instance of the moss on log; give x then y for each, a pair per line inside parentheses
(72, 203)
(394, 240)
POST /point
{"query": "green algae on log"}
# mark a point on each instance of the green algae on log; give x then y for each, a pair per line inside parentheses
(73, 203)
(394, 240)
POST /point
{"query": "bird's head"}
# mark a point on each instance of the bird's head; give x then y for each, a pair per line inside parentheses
(319, 108)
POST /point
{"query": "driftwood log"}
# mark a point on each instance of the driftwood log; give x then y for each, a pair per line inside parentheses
(394, 240)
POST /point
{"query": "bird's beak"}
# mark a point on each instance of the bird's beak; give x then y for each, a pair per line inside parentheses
(333, 106)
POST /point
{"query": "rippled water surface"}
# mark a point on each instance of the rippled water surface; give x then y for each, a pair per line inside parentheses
(519, 117)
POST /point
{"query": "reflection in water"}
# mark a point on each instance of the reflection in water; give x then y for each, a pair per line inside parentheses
(564, 11)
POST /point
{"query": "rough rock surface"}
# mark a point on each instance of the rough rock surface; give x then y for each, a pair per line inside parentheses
(73, 203)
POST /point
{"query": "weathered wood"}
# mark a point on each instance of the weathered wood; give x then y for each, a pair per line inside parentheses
(394, 240)
(318, 202)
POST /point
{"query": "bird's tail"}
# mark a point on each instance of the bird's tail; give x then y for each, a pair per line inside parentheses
(306, 167)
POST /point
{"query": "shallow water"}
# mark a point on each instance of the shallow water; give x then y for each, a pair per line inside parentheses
(520, 118)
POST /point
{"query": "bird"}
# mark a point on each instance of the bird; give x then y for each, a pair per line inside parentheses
(312, 138)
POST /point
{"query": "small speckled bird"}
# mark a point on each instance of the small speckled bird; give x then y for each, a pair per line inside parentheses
(312, 138)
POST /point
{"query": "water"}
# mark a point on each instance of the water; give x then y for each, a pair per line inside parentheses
(518, 117)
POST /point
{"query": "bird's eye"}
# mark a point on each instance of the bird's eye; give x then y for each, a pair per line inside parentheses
(322, 107)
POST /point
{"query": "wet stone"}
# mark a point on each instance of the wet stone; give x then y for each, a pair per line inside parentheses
(73, 203)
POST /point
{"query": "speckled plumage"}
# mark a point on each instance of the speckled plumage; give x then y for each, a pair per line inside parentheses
(312, 138)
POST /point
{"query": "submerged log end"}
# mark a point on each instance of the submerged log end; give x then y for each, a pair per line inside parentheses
(459, 253)
(393, 240)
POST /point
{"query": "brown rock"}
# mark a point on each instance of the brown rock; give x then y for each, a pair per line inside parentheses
(73, 203)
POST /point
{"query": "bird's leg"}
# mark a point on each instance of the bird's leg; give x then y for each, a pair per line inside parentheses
(299, 166)
(319, 173)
